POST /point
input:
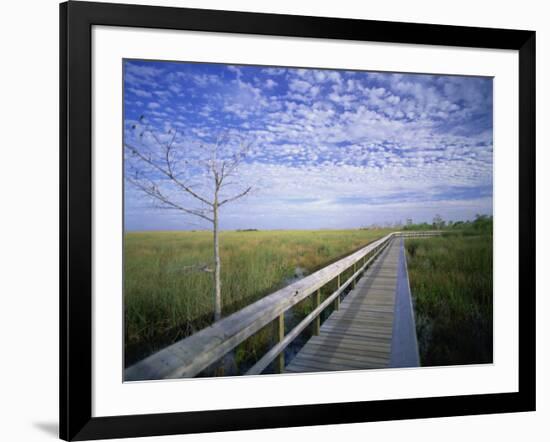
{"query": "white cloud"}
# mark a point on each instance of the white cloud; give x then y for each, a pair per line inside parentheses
(299, 86)
(140, 92)
(270, 84)
(274, 71)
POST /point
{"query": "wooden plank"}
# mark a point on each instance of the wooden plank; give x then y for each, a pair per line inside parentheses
(357, 329)
(363, 336)
(350, 320)
(318, 365)
(305, 361)
(299, 364)
(317, 323)
(337, 301)
(367, 310)
(363, 309)
(355, 346)
(280, 365)
(345, 358)
(365, 315)
(338, 363)
(377, 308)
(310, 365)
(353, 337)
(351, 341)
(378, 291)
(372, 308)
(351, 350)
(357, 334)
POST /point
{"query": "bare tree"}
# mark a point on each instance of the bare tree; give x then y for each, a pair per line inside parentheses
(438, 222)
(196, 182)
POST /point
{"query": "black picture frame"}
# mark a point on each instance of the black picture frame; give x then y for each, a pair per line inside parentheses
(76, 21)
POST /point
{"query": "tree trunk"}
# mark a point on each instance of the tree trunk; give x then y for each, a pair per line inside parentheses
(217, 266)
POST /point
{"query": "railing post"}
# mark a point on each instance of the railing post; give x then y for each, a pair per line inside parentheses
(354, 278)
(317, 322)
(280, 362)
(337, 300)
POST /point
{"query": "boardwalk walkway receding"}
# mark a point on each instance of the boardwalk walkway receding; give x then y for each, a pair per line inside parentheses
(358, 335)
(373, 328)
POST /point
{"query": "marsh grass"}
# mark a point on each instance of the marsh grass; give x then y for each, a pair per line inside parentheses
(451, 280)
(167, 299)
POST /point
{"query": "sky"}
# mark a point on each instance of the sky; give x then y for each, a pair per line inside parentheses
(325, 148)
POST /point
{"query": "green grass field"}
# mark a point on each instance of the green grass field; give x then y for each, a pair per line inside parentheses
(166, 298)
(451, 280)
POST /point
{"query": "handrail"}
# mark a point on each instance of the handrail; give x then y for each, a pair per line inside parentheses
(191, 355)
(417, 233)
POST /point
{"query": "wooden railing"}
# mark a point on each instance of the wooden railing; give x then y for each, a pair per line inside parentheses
(189, 356)
(417, 234)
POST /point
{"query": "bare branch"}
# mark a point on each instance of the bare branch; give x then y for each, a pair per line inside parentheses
(167, 173)
(201, 267)
(236, 197)
(154, 192)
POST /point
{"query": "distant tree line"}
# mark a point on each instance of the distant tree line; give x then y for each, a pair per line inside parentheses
(481, 224)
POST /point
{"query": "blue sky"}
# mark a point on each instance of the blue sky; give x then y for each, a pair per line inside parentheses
(328, 148)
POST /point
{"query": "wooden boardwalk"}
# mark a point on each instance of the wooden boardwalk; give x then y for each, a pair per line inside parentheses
(374, 327)
(359, 334)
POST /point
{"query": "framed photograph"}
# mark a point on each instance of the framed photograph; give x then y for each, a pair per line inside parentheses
(272, 220)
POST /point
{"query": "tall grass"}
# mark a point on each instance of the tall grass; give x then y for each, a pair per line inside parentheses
(167, 297)
(452, 287)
